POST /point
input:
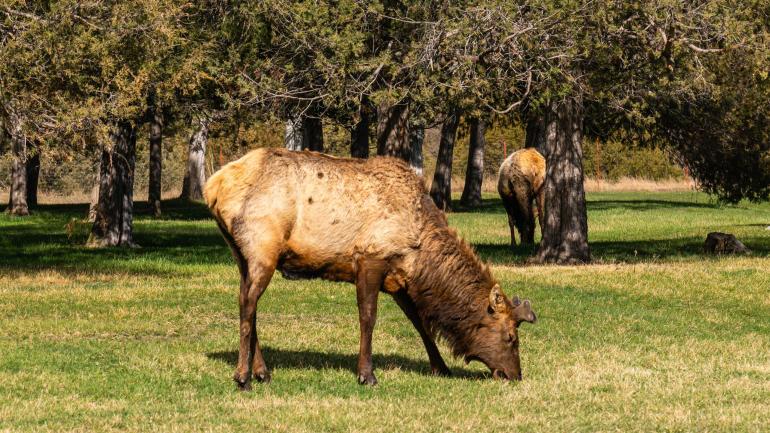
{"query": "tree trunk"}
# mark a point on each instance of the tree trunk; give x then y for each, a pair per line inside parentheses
(416, 137)
(359, 135)
(294, 135)
(113, 225)
(565, 229)
(156, 160)
(95, 193)
(535, 133)
(17, 204)
(441, 189)
(474, 174)
(33, 173)
(305, 133)
(314, 134)
(195, 175)
(393, 131)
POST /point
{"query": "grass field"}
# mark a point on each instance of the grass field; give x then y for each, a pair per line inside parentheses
(652, 337)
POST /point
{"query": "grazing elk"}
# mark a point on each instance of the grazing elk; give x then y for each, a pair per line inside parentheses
(368, 222)
(520, 182)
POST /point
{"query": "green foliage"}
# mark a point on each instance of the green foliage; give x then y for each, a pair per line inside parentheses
(613, 159)
(70, 69)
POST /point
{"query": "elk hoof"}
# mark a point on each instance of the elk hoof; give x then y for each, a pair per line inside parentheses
(263, 376)
(243, 386)
(367, 379)
(242, 381)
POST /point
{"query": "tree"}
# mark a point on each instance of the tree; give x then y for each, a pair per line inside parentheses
(17, 204)
(416, 139)
(393, 131)
(359, 134)
(624, 63)
(304, 133)
(441, 188)
(195, 173)
(33, 172)
(474, 175)
(154, 187)
(113, 224)
(565, 227)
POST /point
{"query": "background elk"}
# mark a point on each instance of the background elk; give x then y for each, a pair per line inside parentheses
(520, 182)
(368, 222)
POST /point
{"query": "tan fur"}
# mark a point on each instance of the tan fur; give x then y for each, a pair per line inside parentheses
(312, 215)
(520, 181)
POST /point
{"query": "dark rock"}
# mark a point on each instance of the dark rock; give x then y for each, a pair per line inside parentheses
(723, 243)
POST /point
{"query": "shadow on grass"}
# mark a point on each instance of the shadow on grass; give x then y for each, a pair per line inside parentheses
(495, 205)
(43, 241)
(313, 360)
(624, 251)
(645, 205)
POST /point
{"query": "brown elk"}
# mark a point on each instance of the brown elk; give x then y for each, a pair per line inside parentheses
(368, 222)
(520, 181)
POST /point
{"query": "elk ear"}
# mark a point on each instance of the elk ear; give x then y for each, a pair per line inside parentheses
(523, 313)
(496, 299)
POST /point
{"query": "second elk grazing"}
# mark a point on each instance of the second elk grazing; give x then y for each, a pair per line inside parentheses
(367, 222)
(520, 182)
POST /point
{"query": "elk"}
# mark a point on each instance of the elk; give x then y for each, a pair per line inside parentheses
(520, 181)
(371, 223)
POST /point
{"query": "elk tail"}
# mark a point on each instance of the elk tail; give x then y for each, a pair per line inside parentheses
(211, 190)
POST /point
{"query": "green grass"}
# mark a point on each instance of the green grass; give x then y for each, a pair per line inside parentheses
(652, 337)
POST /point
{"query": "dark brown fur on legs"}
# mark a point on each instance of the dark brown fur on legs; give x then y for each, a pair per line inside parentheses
(521, 216)
(369, 278)
(254, 281)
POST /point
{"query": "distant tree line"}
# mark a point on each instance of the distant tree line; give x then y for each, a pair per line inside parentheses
(690, 77)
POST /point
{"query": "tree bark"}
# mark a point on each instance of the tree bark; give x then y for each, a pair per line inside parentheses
(359, 135)
(113, 225)
(156, 160)
(33, 173)
(17, 203)
(565, 229)
(305, 133)
(535, 133)
(195, 175)
(416, 137)
(474, 174)
(12, 132)
(314, 133)
(294, 135)
(92, 207)
(393, 131)
(441, 189)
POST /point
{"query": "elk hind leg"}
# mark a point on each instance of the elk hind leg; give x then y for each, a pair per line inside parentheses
(525, 215)
(510, 209)
(257, 267)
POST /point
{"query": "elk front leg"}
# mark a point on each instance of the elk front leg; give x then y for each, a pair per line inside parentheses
(437, 364)
(369, 278)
